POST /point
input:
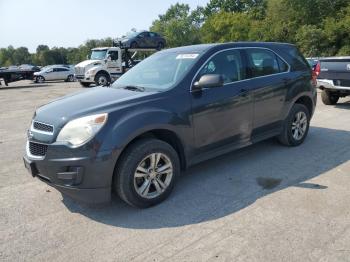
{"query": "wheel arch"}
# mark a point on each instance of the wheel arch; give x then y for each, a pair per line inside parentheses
(163, 134)
(306, 101)
(102, 71)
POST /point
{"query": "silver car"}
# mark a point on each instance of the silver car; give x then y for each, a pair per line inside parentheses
(54, 73)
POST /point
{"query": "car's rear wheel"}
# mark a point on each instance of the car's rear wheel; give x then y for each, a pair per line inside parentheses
(70, 78)
(146, 173)
(160, 45)
(329, 98)
(295, 126)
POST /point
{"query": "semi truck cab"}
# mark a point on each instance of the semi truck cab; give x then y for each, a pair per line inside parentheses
(106, 64)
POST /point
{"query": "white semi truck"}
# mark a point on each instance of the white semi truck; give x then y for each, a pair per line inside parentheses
(106, 64)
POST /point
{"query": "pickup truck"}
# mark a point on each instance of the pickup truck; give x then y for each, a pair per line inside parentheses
(333, 78)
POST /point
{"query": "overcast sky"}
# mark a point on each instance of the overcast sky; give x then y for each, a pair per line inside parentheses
(71, 22)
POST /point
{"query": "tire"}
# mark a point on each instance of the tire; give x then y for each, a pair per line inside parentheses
(40, 79)
(83, 84)
(130, 188)
(134, 45)
(70, 78)
(329, 98)
(288, 135)
(160, 46)
(102, 79)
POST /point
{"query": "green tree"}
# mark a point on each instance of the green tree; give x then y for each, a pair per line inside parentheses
(178, 25)
(226, 27)
(217, 6)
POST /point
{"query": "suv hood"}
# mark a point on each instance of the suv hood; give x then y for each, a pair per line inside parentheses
(93, 101)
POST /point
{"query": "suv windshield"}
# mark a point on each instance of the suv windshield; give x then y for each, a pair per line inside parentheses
(98, 54)
(160, 71)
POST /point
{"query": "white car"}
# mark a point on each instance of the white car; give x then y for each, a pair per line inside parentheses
(54, 73)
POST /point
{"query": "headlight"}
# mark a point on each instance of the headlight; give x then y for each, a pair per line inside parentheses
(91, 72)
(79, 131)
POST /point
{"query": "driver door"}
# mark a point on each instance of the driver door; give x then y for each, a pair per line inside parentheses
(113, 65)
(223, 115)
(51, 74)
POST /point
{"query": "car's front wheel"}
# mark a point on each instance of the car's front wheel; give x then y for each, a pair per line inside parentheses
(102, 79)
(146, 172)
(295, 126)
(40, 79)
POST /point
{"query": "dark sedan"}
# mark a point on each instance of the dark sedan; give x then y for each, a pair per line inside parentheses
(143, 40)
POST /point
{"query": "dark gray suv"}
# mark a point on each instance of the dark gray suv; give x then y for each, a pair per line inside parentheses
(177, 108)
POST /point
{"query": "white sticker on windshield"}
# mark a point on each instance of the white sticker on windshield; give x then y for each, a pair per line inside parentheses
(187, 56)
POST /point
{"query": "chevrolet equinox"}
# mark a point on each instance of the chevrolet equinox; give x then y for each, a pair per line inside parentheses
(176, 108)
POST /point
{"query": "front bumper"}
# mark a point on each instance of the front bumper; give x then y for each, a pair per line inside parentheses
(85, 78)
(84, 175)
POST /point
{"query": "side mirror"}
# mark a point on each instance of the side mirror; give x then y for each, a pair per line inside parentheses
(208, 81)
(87, 57)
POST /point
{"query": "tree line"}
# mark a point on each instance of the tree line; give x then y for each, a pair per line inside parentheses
(317, 27)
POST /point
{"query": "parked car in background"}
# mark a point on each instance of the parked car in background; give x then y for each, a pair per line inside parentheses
(54, 73)
(333, 78)
(28, 67)
(143, 39)
(174, 109)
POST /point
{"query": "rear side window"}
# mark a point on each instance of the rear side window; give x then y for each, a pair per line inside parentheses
(153, 34)
(227, 63)
(262, 62)
(298, 62)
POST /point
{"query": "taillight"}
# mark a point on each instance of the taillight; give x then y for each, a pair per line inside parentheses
(314, 78)
(317, 69)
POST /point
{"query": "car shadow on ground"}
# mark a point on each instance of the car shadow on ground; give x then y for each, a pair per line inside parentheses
(227, 184)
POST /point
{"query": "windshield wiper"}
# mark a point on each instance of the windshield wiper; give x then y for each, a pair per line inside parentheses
(134, 88)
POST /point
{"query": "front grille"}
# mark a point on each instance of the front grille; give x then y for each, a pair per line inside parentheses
(37, 149)
(43, 127)
(79, 70)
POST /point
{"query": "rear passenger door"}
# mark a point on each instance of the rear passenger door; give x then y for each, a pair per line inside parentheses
(62, 73)
(143, 40)
(268, 75)
(222, 116)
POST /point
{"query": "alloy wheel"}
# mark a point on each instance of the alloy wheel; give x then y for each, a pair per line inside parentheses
(102, 80)
(153, 175)
(299, 125)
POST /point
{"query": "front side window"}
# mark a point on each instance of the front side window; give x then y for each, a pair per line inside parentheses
(262, 62)
(227, 63)
(114, 55)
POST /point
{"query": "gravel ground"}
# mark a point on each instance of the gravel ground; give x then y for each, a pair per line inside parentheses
(263, 203)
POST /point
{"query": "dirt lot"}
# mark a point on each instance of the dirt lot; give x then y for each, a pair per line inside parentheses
(263, 203)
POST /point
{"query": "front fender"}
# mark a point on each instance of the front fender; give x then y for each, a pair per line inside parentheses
(137, 122)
